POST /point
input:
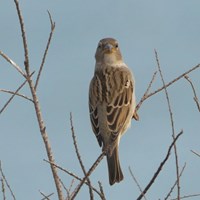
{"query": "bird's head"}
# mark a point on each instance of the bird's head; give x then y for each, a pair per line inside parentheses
(108, 52)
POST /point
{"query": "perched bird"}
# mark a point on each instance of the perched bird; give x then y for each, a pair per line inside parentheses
(111, 102)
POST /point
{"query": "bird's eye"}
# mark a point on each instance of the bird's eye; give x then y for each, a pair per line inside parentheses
(99, 45)
(116, 45)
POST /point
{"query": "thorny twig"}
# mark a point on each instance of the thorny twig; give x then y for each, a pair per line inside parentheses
(17, 94)
(101, 190)
(79, 157)
(172, 125)
(172, 188)
(195, 95)
(72, 174)
(37, 105)
(7, 184)
(159, 168)
(17, 67)
(194, 152)
(137, 183)
(98, 160)
(53, 24)
(46, 197)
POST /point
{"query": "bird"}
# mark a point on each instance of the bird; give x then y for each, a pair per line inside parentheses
(112, 102)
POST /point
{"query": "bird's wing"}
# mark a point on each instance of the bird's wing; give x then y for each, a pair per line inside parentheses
(120, 87)
(93, 99)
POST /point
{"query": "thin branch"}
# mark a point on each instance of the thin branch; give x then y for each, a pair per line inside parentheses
(79, 157)
(188, 196)
(72, 174)
(68, 190)
(169, 83)
(3, 189)
(46, 50)
(101, 190)
(7, 184)
(195, 95)
(172, 125)
(17, 94)
(159, 168)
(45, 196)
(137, 183)
(87, 175)
(17, 67)
(146, 92)
(21, 21)
(37, 106)
(172, 188)
(194, 152)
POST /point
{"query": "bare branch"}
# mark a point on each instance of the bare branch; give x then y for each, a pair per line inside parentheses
(37, 105)
(170, 83)
(17, 94)
(88, 174)
(194, 152)
(18, 89)
(21, 21)
(72, 174)
(146, 92)
(172, 188)
(46, 50)
(188, 196)
(159, 168)
(195, 95)
(17, 67)
(137, 183)
(3, 189)
(46, 197)
(172, 125)
(102, 192)
(79, 157)
(7, 184)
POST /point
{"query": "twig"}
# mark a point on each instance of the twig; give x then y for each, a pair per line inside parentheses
(101, 190)
(160, 167)
(172, 125)
(195, 95)
(46, 50)
(88, 174)
(72, 174)
(170, 83)
(4, 178)
(195, 153)
(146, 92)
(17, 67)
(188, 196)
(17, 94)
(45, 196)
(21, 21)
(79, 157)
(68, 190)
(37, 106)
(3, 189)
(172, 188)
(137, 183)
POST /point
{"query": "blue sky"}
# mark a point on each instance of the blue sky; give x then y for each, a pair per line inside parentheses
(170, 27)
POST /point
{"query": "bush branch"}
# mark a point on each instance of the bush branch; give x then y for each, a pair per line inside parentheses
(159, 168)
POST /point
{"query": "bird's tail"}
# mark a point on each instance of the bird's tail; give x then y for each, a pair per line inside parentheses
(114, 169)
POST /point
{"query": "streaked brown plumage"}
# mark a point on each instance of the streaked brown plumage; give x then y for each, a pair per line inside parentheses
(111, 102)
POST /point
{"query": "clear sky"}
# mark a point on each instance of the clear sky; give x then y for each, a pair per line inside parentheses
(171, 27)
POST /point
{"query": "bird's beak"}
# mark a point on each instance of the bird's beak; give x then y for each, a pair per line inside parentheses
(108, 48)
